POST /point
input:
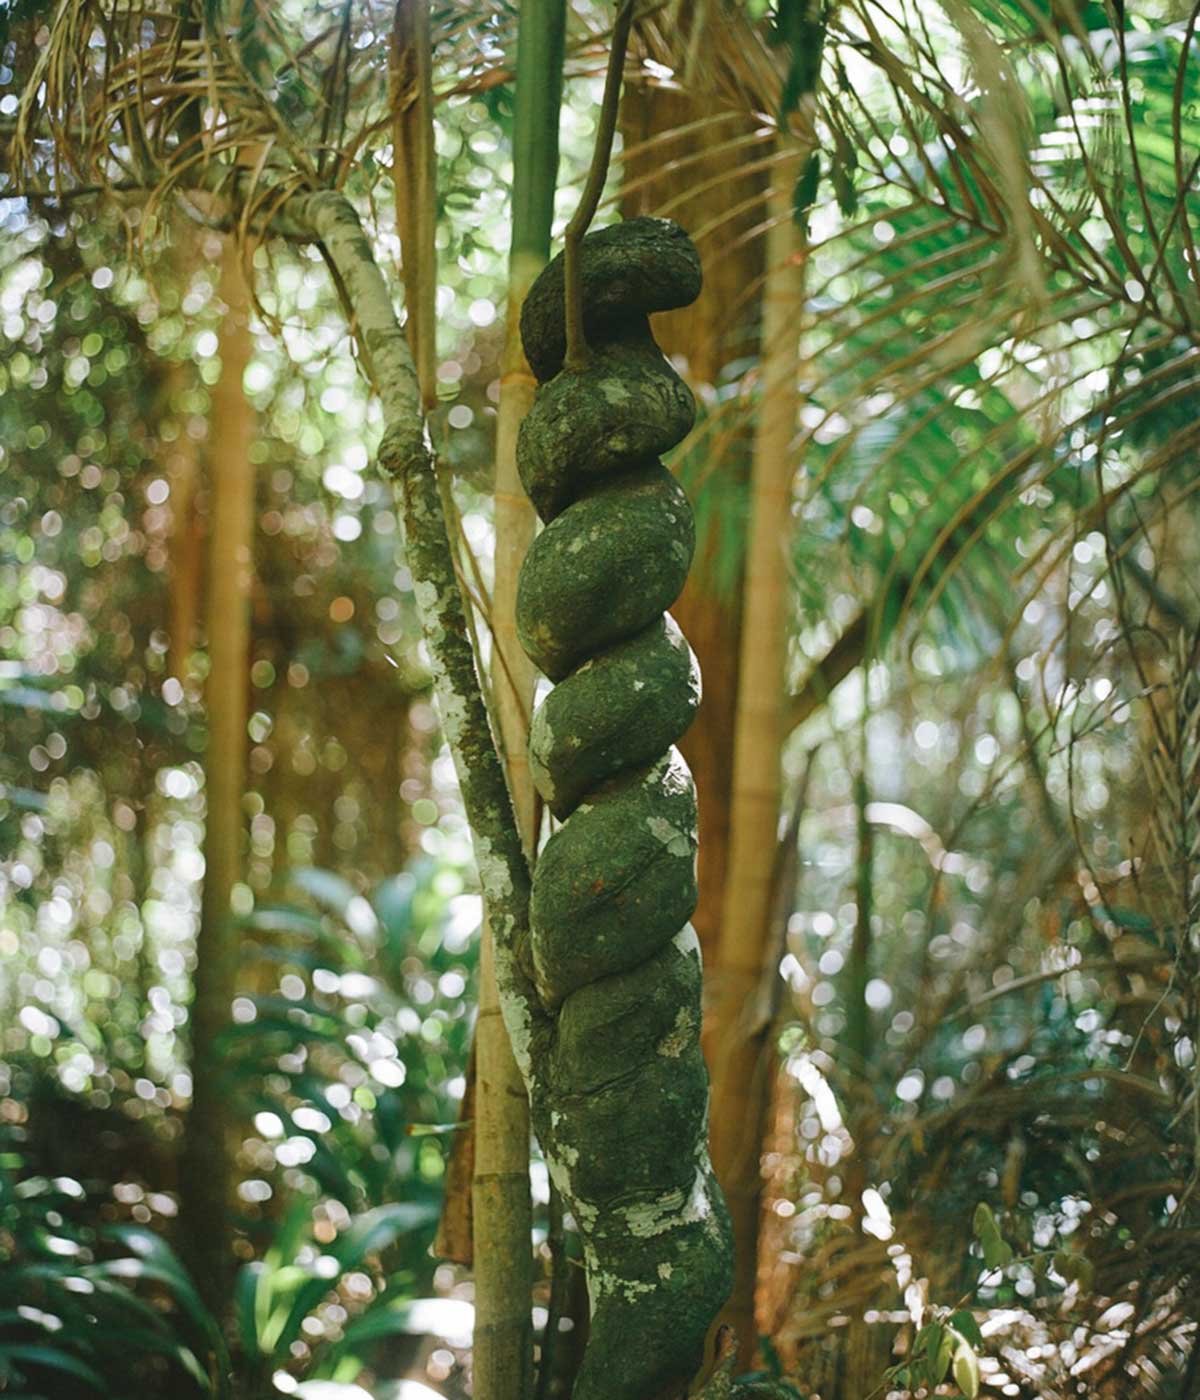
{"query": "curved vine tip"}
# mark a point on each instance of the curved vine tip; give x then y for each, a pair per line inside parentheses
(621, 1107)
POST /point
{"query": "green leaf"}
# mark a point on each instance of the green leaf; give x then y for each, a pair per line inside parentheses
(388, 1321)
(1075, 1268)
(282, 918)
(966, 1371)
(290, 1235)
(53, 1359)
(845, 190)
(941, 1356)
(806, 189)
(963, 1322)
(155, 1260)
(925, 1338)
(983, 1219)
(190, 1363)
(845, 163)
(997, 1252)
(245, 1294)
(932, 1349)
(367, 1234)
(337, 895)
(376, 1229)
(393, 903)
(799, 27)
(441, 1317)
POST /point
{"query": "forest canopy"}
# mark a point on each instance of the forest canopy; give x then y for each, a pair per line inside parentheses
(505, 506)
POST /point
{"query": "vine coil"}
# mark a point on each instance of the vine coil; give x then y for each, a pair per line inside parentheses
(621, 1107)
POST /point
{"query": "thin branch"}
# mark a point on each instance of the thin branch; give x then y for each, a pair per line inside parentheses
(576, 356)
(414, 176)
(405, 456)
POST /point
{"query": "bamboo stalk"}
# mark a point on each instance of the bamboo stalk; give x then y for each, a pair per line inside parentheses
(737, 1035)
(501, 1212)
(183, 476)
(856, 1037)
(206, 1167)
(187, 543)
(501, 1206)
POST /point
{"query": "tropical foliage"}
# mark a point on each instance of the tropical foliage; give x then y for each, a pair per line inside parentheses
(978, 1008)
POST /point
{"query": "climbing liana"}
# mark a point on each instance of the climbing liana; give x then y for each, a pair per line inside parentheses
(621, 1104)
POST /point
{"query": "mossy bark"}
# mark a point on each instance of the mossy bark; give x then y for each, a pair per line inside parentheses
(631, 270)
(636, 529)
(627, 405)
(621, 1108)
(619, 710)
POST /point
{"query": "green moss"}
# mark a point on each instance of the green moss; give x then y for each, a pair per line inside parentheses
(628, 270)
(621, 1022)
(604, 569)
(629, 1134)
(615, 884)
(647, 1338)
(620, 1102)
(620, 710)
(627, 405)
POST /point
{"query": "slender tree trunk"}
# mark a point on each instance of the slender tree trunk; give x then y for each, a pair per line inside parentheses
(187, 539)
(501, 1206)
(501, 1213)
(206, 1167)
(739, 1052)
(738, 823)
(856, 1036)
(720, 328)
(414, 175)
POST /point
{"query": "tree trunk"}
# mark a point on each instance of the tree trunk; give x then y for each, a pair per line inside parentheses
(621, 1106)
(718, 329)
(187, 538)
(501, 1213)
(739, 1046)
(620, 1116)
(206, 1169)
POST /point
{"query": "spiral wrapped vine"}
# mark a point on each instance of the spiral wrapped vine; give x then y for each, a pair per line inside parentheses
(621, 1102)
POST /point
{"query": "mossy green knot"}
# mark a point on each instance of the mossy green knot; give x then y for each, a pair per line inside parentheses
(621, 1106)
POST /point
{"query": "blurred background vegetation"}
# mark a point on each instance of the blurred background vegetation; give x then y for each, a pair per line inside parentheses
(972, 1125)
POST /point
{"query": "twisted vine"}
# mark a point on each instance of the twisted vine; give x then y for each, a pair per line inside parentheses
(621, 1103)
